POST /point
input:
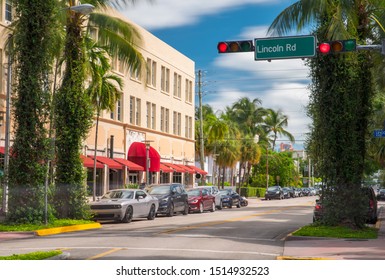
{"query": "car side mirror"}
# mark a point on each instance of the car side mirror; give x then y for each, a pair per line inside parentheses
(140, 197)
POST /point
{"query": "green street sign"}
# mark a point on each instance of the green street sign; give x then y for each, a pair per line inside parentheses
(285, 47)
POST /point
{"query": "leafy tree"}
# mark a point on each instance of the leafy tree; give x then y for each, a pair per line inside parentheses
(32, 50)
(340, 103)
(73, 109)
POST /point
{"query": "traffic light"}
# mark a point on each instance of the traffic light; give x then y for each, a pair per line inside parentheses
(235, 46)
(338, 46)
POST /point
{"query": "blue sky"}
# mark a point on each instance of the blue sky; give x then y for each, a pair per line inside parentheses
(194, 27)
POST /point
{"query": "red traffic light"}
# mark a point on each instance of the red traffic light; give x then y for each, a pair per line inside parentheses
(337, 46)
(235, 46)
(324, 48)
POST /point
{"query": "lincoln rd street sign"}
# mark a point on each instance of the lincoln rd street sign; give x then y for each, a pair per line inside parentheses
(285, 47)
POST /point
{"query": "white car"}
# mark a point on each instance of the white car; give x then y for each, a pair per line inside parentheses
(125, 204)
(213, 190)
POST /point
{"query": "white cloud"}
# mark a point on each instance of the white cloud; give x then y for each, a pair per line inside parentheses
(171, 13)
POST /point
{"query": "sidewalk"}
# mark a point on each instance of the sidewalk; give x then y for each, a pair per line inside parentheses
(297, 247)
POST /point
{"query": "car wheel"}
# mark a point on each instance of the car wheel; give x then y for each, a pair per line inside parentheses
(128, 215)
(213, 207)
(239, 204)
(231, 205)
(170, 212)
(186, 208)
(151, 214)
(201, 207)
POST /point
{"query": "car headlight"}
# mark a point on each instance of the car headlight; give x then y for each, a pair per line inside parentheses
(194, 201)
(164, 200)
(277, 192)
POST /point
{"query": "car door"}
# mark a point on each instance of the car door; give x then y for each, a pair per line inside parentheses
(206, 198)
(176, 197)
(140, 203)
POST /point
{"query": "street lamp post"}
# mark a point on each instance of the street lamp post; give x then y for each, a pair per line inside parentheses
(148, 160)
(7, 127)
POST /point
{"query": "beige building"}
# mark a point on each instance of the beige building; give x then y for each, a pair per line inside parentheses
(152, 123)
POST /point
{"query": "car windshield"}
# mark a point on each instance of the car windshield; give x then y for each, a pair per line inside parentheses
(225, 192)
(193, 192)
(119, 194)
(160, 190)
(275, 188)
(382, 191)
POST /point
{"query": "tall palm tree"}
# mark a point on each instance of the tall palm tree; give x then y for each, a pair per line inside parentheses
(73, 108)
(104, 90)
(274, 124)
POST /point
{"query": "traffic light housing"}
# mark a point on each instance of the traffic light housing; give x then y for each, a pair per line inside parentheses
(337, 46)
(235, 46)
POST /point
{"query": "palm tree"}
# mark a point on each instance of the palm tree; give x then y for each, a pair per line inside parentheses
(275, 123)
(104, 90)
(73, 108)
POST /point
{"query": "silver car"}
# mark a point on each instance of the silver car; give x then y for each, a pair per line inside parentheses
(125, 204)
(213, 190)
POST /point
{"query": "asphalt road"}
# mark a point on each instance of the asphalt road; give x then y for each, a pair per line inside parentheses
(253, 232)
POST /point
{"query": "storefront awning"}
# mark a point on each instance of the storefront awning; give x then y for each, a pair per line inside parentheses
(176, 167)
(108, 161)
(130, 165)
(137, 154)
(88, 162)
(197, 170)
(186, 168)
(164, 168)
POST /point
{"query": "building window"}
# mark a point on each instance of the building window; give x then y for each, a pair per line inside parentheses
(148, 114)
(177, 85)
(132, 110)
(135, 74)
(8, 10)
(165, 79)
(137, 112)
(188, 91)
(153, 116)
(121, 66)
(118, 110)
(151, 72)
(177, 123)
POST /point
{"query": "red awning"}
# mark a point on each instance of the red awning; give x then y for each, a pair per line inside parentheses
(2, 150)
(176, 167)
(137, 154)
(165, 168)
(197, 170)
(109, 162)
(190, 170)
(130, 165)
(185, 168)
(88, 162)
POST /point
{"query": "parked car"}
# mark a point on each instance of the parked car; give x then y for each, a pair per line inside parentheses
(199, 200)
(172, 198)
(371, 216)
(213, 190)
(125, 204)
(287, 192)
(381, 194)
(274, 192)
(244, 201)
(230, 198)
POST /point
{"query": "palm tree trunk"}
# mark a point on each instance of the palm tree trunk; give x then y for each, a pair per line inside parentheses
(95, 150)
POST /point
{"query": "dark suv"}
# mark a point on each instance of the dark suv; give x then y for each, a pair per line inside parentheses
(372, 206)
(172, 198)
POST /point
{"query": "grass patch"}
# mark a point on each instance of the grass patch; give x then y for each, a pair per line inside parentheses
(39, 255)
(33, 227)
(336, 232)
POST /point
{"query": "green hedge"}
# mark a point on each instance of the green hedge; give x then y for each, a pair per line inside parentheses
(253, 192)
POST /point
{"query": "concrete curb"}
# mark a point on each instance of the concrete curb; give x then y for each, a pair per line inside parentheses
(50, 231)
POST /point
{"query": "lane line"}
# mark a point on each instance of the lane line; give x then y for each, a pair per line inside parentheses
(105, 253)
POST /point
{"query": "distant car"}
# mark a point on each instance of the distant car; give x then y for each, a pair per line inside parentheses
(287, 192)
(125, 204)
(381, 194)
(199, 200)
(244, 201)
(274, 192)
(172, 198)
(371, 216)
(213, 190)
(230, 198)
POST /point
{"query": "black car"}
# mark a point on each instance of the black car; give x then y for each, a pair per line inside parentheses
(244, 201)
(368, 192)
(230, 198)
(172, 198)
(274, 192)
(381, 194)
